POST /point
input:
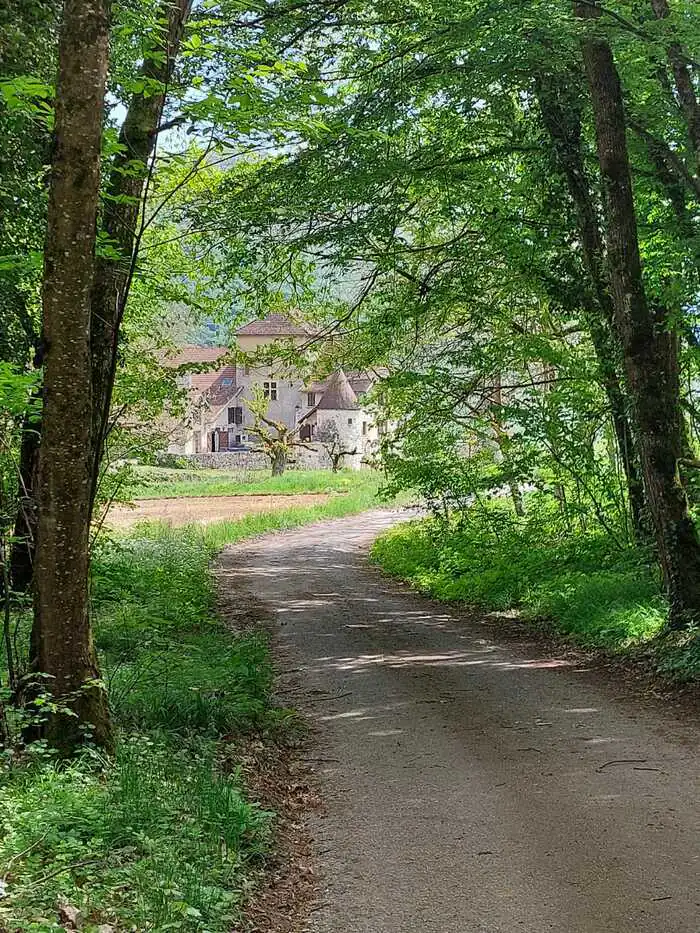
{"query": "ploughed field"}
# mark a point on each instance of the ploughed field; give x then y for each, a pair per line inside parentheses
(206, 509)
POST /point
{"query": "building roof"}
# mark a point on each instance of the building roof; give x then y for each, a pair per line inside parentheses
(204, 357)
(339, 394)
(221, 388)
(360, 383)
(192, 354)
(273, 325)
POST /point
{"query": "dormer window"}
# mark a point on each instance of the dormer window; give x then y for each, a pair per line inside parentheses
(227, 381)
(311, 399)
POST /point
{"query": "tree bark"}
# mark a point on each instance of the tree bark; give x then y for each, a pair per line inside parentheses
(279, 462)
(563, 122)
(502, 441)
(25, 529)
(683, 81)
(123, 203)
(112, 279)
(65, 655)
(649, 365)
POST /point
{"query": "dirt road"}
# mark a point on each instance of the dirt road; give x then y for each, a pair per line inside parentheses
(471, 786)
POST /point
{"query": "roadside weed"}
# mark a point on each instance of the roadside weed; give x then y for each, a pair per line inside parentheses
(589, 588)
(160, 837)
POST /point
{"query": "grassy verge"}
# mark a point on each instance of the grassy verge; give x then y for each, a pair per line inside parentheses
(161, 482)
(592, 591)
(160, 837)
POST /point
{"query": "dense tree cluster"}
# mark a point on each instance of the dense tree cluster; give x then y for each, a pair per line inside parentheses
(514, 191)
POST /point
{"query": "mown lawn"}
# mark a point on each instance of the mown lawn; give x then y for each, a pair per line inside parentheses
(160, 837)
(161, 482)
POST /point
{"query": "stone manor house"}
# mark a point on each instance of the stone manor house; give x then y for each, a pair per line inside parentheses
(220, 421)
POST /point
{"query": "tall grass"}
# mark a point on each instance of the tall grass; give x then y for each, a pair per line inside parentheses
(585, 585)
(157, 838)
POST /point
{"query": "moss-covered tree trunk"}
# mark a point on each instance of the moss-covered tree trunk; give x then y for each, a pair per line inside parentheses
(62, 636)
(563, 122)
(127, 181)
(125, 187)
(279, 462)
(650, 365)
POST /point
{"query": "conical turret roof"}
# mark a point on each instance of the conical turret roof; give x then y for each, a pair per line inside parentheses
(339, 394)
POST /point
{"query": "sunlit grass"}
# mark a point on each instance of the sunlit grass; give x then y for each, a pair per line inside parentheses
(585, 585)
(157, 838)
(162, 482)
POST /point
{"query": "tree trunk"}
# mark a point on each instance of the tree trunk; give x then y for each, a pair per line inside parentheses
(683, 80)
(65, 655)
(125, 190)
(649, 366)
(503, 441)
(112, 278)
(25, 530)
(563, 122)
(279, 463)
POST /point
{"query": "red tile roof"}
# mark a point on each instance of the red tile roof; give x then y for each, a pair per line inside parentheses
(206, 358)
(339, 395)
(273, 325)
(223, 388)
(192, 354)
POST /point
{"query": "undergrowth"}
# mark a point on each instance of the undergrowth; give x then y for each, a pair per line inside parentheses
(160, 837)
(589, 587)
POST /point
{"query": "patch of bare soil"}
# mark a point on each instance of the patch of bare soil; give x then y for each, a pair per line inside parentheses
(280, 781)
(205, 509)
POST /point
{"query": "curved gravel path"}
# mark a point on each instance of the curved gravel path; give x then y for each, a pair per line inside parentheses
(470, 786)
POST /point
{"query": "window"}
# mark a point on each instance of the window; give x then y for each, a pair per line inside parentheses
(364, 427)
(311, 399)
(227, 381)
(349, 420)
(270, 391)
(235, 415)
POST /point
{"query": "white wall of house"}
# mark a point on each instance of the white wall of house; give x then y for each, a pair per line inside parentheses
(229, 425)
(287, 403)
(356, 430)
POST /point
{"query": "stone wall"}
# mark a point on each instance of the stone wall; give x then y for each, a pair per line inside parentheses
(251, 460)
